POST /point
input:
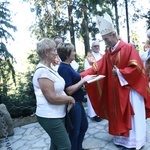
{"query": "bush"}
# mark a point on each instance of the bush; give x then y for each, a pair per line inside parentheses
(80, 61)
(19, 107)
(21, 102)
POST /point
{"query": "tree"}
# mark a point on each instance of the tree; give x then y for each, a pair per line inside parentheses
(70, 16)
(147, 16)
(51, 18)
(57, 17)
(6, 59)
(135, 40)
(127, 20)
(114, 3)
(85, 12)
(84, 29)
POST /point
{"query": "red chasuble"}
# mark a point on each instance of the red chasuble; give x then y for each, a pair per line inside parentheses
(109, 99)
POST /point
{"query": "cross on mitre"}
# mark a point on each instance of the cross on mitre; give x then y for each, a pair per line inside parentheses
(104, 24)
(98, 22)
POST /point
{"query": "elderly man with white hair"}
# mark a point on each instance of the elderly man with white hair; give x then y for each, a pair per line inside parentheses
(93, 56)
(148, 33)
(145, 53)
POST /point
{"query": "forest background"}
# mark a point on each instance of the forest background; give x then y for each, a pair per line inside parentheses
(74, 20)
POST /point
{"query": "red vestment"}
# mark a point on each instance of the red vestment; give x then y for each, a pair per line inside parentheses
(109, 99)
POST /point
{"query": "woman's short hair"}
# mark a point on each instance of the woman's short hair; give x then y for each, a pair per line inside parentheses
(64, 50)
(44, 45)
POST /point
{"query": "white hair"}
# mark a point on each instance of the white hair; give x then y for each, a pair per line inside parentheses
(44, 45)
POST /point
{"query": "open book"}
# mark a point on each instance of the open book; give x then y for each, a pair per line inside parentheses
(96, 78)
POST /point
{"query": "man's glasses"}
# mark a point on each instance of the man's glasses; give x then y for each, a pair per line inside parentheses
(96, 46)
(64, 44)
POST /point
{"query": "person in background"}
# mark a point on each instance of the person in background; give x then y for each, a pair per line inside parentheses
(74, 64)
(51, 100)
(145, 53)
(92, 56)
(57, 40)
(73, 87)
(123, 96)
(148, 34)
(145, 56)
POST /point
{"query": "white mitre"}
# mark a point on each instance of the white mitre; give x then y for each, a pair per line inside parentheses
(105, 24)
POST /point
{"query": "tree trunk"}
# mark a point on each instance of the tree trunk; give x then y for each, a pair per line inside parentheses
(127, 19)
(116, 14)
(72, 37)
(85, 30)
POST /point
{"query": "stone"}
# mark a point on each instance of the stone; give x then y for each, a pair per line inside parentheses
(18, 122)
(6, 122)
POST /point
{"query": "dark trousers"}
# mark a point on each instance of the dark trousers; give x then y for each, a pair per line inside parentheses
(56, 130)
(80, 125)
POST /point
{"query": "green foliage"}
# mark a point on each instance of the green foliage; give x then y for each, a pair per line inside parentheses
(21, 102)
(33, 58)
(19, 107)
(147, 16)
(5, 21)
(48, 22)
(6, 64)
(80, 61)
(134, 40)
(59, 17)
(19, 98)
(7, 71)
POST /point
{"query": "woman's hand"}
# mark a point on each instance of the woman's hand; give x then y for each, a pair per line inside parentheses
(88, 77)
(69, 106)
(71, 103)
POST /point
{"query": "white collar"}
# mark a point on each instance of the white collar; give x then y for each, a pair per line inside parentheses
(113, 48)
